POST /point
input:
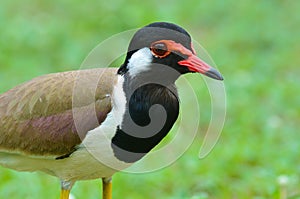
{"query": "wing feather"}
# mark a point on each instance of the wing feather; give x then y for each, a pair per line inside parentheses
(37, 117)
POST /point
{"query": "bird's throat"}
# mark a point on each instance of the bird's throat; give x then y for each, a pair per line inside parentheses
(151, 110)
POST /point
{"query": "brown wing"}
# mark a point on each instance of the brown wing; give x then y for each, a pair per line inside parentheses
(51, 114)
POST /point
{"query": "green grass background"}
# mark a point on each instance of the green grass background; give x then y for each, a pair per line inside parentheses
(255, 45)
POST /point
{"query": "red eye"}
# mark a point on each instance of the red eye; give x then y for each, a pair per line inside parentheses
(159, 50)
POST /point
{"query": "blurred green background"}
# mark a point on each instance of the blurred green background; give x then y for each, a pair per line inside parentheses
(255, 45)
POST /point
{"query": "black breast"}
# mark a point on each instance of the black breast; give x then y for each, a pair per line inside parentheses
(152, 109)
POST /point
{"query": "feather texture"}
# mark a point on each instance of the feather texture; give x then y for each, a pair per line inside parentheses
(28, 111)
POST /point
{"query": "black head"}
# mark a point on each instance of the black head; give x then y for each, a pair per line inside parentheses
(164, 44)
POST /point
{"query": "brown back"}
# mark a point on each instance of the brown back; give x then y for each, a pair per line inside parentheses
(37, 117)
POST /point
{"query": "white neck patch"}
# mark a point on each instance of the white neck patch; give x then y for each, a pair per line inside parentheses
(139, 61)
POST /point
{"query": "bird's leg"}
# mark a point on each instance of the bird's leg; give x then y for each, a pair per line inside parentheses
(107, 188)
(66, 187)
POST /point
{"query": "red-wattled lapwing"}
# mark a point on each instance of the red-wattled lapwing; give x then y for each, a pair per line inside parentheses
(39, 131)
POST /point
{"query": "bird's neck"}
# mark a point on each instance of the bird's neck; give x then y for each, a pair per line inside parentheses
(152, 107)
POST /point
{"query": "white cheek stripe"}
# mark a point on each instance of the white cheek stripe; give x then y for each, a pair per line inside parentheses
(119, 101)
(139, 62)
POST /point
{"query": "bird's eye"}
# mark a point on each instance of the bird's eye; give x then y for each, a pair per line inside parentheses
(159, 50)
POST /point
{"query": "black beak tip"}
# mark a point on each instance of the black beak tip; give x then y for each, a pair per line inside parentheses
(213, 73)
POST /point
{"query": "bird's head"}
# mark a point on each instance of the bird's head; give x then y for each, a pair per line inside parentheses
(164, 44)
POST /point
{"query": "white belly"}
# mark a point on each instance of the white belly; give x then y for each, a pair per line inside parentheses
(93, 159)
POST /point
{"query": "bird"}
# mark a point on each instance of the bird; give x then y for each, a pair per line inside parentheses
(91, 123)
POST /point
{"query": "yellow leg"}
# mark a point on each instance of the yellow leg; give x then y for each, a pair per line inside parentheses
(66, 187)
(106, 188)
(64, 194)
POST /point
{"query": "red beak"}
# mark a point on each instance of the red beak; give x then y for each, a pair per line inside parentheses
(195, 64)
